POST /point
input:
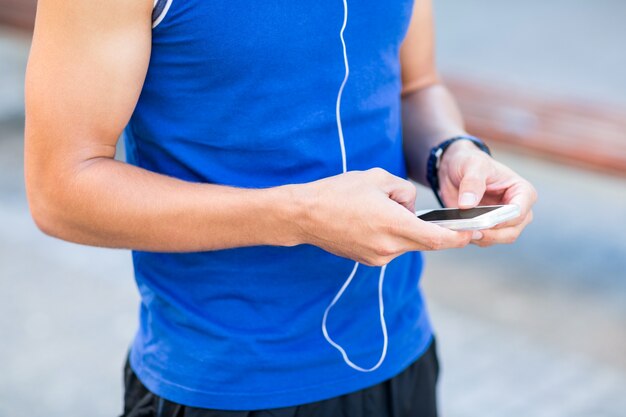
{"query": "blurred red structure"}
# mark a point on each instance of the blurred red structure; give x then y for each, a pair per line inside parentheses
(588, 135)
(18, 13)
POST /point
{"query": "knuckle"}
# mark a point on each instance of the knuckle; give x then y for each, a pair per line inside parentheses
(510, 238)
(486, 240)
(533, 193)
(385, 249)
(378, 261)
(472, 178)
(435, 243)
(409, 188)
(464, 241)
(368, 261)
(377, 172)
(394, 227)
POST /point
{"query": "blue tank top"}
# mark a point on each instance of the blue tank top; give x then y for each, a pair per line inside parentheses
(244, 94)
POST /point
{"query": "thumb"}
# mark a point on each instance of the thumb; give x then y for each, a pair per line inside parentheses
(472, 188)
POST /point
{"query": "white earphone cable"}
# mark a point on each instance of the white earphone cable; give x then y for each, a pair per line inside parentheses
(383, 325)
(343, 85)
(381, 277)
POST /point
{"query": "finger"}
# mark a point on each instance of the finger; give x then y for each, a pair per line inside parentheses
(516, 221)
(473, 185)
(506, 235)
(427, 236)
(404, 193)
(401, 191)
(523, 195)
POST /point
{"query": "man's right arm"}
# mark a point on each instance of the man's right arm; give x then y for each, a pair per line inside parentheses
(86, 70)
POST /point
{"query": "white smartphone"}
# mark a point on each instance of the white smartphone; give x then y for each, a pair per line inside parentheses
(481, 217)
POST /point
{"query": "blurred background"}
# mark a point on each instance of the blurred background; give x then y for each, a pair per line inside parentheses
(537, 328)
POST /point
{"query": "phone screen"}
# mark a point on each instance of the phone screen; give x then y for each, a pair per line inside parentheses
(456, 214)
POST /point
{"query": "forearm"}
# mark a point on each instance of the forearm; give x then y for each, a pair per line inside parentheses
(429, 116)
(112, 204)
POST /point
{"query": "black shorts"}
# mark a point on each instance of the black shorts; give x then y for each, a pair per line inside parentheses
(412, 393)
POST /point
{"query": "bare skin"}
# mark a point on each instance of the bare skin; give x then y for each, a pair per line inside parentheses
(86, 70)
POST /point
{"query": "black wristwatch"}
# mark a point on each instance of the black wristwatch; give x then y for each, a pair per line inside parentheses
(434, 160)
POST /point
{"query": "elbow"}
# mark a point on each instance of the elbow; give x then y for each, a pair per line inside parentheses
(44, 191)
(47, 196)
(45, 224)
(44, 212)
(58, 212)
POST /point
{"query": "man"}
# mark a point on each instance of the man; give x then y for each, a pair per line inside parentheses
(264, 196)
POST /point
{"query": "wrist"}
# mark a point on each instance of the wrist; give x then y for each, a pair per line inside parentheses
(452, 146)
(458, 148)
(461, 145)
(289, 205)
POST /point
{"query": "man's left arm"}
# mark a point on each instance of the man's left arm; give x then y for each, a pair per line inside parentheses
(467, 175)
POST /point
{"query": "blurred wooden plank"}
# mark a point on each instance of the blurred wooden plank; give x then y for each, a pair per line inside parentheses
(18, 13)
(584, 134)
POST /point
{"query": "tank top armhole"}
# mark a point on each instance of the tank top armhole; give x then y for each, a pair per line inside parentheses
(159, 11)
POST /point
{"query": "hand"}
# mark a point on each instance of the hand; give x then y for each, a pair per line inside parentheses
(469, 177)
(368, 216)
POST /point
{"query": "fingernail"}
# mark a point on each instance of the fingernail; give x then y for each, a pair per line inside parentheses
(476, 235)
(467, 199)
